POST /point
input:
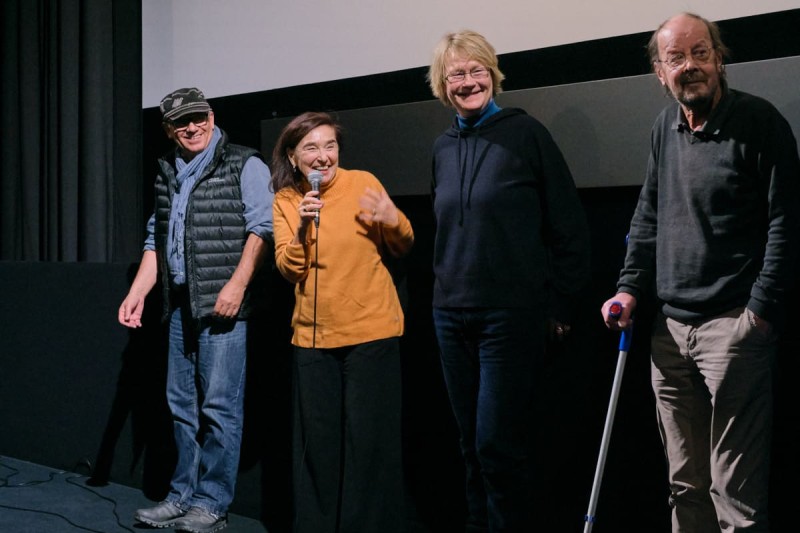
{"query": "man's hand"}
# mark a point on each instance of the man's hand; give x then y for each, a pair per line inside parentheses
(229, 300)
(625, 320)
(759, 323)
(130, 312)
(132, 307)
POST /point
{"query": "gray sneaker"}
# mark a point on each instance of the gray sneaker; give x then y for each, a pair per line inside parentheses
(165, 514)
(198, 520)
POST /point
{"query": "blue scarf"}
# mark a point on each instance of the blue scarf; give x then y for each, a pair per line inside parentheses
(188, 174)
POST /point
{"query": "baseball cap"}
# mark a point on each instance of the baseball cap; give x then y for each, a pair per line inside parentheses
(183, 102)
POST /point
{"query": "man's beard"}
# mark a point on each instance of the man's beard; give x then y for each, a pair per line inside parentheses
(696, 101)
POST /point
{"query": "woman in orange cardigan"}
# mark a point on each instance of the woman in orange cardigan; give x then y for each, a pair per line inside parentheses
(347, 320)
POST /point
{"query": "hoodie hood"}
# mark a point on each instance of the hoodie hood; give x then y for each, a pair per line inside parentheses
(457, 130)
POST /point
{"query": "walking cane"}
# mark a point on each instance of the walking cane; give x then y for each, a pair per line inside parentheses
(614, 311)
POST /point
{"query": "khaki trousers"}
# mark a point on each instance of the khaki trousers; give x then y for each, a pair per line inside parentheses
(712, 381)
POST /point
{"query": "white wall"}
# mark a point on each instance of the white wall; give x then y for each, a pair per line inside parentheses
(228, 47)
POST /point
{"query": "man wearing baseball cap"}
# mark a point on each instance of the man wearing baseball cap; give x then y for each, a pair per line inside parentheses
(210, 232)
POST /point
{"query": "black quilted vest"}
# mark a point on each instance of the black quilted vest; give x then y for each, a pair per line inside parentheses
(215, 227)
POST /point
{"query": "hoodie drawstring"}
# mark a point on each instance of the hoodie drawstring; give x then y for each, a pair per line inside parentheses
(474, 167)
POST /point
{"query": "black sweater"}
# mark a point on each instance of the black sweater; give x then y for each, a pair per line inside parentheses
(716, 226)
(510, 229)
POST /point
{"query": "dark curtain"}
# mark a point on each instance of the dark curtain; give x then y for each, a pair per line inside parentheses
(71, 116)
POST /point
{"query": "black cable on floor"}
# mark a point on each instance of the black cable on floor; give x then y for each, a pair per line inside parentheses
(4, 483)
(112, 501)
(62, 517)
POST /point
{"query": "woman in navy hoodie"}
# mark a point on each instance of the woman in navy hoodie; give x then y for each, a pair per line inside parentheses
(511, 252)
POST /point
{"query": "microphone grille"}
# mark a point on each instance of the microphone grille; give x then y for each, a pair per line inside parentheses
(315, 178)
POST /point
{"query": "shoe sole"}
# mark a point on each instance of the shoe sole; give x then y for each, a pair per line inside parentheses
(210, 529)
(159, 525)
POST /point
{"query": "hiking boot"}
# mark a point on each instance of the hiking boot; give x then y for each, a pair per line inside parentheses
(162, 515)
(198, 520)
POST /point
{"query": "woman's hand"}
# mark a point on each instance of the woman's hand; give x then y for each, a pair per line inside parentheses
(309, 207)
(377, 207)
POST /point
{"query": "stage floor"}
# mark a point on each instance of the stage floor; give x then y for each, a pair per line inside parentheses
(38, 499)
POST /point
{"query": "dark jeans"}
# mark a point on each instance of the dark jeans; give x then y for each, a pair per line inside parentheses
(347, 467)
(489, 357)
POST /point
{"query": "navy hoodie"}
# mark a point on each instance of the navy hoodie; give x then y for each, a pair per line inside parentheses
(510, 228)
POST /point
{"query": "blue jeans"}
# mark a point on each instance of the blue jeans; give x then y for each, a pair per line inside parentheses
(489, 358)
(205, 393)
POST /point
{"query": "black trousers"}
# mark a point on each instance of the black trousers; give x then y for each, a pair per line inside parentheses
(347, 464)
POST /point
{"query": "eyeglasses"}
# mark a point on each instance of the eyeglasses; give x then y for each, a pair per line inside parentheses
(182, 123)
(677, 61)
(478, 73)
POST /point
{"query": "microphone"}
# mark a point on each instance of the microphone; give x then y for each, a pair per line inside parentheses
(315, 179)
